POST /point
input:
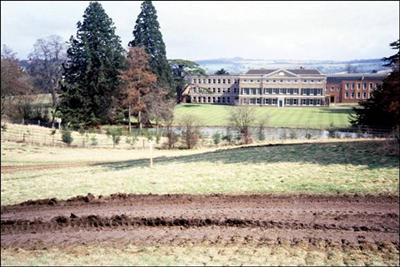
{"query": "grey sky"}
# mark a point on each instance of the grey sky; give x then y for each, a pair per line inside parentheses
(203, 30)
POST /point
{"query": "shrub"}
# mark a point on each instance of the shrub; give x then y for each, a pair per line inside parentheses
(132, 139)
(241, 118)
(261, 126)
(93, 140)
(115, 133)
(292, 134)
(216, 138)
(283, 136)
(191, 132)
(158, 138)
(261, 135)
(66, 136)
(228, 136)
(172, 138)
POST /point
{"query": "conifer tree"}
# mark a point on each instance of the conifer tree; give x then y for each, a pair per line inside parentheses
(91, 74)
(382, 110)
(147, 34)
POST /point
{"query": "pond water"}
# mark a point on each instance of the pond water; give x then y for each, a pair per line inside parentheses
(274, 133)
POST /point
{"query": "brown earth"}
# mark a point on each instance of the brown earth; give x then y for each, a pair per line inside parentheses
(344, 221)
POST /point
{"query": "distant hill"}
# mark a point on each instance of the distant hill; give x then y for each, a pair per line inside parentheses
(238, 65)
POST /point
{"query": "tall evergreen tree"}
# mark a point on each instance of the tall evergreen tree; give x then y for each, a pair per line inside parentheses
(147, 34)
(382, 110)
(91, 74)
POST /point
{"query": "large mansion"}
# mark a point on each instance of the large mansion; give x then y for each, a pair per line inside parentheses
(280, 87)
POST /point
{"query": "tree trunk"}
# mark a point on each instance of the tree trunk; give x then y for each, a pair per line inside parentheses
(54, 105)
(129, 118)
(140, 117)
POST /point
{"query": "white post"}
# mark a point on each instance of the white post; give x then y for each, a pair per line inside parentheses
(151, 153)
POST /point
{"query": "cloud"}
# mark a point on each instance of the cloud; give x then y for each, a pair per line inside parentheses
(200, 30)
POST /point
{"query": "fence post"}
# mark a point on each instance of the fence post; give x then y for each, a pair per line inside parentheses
(151, 153)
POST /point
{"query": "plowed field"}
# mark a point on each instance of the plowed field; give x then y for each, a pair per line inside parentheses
(338, 221)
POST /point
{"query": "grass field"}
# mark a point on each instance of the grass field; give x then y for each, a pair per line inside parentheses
(316, 118)
(330, 168)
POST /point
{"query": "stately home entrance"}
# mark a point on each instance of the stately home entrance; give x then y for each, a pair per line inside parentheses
(332, 99)
(281, 102)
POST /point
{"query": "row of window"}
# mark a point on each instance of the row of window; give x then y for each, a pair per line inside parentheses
(364, 86)
(284, 81)
(288, 91)
(214, 99)
(231, 81)
(287, 102)
(214, 81)
(213, 90)
(364, 95)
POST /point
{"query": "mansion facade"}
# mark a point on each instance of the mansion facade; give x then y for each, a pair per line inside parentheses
(265, 87)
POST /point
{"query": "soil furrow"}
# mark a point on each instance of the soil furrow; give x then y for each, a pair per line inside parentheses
(174, 219)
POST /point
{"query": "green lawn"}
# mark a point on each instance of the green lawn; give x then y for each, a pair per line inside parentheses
(304, 117)
(316, 168)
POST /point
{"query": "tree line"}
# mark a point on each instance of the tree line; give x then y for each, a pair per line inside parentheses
(93, 80)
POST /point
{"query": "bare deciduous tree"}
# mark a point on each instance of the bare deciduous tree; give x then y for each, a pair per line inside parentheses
(15, 83)
(170, 133)
(242, 118)
(158, 108)
(191, 131)
(45, 65)
(262, 123)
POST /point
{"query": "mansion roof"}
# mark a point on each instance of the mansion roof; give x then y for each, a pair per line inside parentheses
(295, 71)
(337, 78)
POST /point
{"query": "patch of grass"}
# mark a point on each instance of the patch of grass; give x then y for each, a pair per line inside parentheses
(315, 168)
(196, 255)
(304, 117)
